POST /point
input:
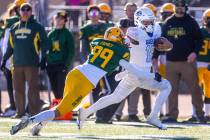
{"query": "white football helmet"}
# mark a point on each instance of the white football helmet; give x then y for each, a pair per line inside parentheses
(144, 14)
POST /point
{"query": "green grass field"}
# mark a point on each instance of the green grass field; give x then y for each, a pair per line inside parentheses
(117, 130)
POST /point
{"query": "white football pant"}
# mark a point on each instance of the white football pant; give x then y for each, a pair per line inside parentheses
(128, 84)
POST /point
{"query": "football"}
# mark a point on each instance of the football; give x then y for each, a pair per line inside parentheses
(163, 44)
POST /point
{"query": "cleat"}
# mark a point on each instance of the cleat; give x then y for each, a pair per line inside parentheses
(80, 119)
(156, 122)
(36, 129)
(19, 126)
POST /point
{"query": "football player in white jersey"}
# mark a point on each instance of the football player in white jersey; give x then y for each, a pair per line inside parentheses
(142, 45)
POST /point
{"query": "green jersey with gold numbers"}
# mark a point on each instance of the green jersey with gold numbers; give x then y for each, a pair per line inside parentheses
(204, 53)
(107, 54)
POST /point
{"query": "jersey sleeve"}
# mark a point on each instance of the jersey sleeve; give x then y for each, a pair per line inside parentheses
(94, 43)
(125, 53)
(132, 32)
(157, 30)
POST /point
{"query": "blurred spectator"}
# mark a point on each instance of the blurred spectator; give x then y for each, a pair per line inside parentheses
(93, 29)
(61, 53)
(74, 14)
(152, 7)
(166, 11)
(124, 23)
(204, 63)
(13, 13)
(1, 31)
(183, 31)
(27, 39)
(133, 98)
(106, 13)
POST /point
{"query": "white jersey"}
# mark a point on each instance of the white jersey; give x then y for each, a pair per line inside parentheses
(141, 54)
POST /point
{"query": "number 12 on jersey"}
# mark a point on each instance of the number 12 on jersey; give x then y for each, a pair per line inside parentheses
(103, 53)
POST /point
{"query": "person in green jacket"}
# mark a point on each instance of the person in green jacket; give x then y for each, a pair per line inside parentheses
(94, 28)
(61, 53)
(27, 41)
(13, 17)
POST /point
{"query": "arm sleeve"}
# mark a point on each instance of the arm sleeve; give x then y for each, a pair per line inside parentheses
(71, 50)
(158, 30)
(133, 33)
(197, 37)
(156, 53)
(135, 70)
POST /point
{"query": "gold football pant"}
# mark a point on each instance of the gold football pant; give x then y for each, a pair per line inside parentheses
(77, 86)
(204, 78)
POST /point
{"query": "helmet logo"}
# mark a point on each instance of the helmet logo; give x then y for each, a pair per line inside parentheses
(139, 13)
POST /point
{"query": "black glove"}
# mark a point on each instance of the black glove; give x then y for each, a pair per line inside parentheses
(3, 65)
(158, 77)
(208, 67)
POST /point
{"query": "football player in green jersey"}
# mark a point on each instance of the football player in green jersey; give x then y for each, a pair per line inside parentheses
(204, 63)
(95, 28)
(104, 58)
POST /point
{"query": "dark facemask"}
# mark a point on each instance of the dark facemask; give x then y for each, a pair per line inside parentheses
(165, 15)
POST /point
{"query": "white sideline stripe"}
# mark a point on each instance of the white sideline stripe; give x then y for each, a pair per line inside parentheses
(23, 135)
(170, 125)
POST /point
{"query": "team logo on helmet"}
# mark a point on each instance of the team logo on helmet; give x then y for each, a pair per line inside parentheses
(144, 14)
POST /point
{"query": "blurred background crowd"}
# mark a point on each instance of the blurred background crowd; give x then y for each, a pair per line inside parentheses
(60, 33)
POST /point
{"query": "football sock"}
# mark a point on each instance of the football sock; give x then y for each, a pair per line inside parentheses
(193, 111)
(160, 100)
(43, 116)
(206, 109)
